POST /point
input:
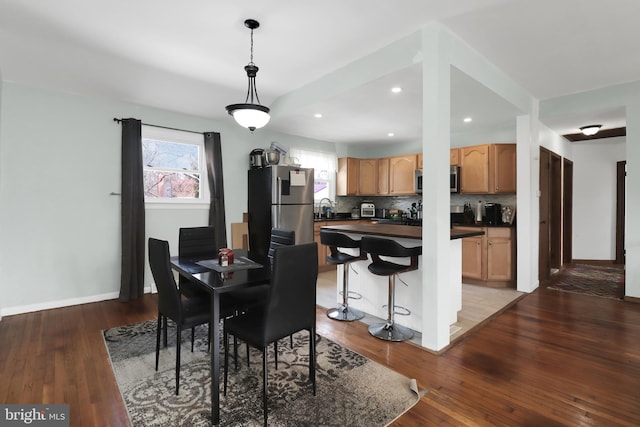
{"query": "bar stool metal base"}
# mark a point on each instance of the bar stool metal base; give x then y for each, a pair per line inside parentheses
(390, 332)
(344, 313)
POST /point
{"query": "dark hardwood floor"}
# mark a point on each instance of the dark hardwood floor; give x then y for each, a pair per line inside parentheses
(552, 359)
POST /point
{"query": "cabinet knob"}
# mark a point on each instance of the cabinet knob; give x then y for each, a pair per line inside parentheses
(491, 242)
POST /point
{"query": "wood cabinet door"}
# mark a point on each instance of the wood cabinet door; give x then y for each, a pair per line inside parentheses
(503, 167)
(474, 169)
(347, 177)
(419, 164)
(499, 259)
(323, 250)
(472, 257)
(500, 253)
(402, 174)
(368, 177)
(454, 157)
(383, 176)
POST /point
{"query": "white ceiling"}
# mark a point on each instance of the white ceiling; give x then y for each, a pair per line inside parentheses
(189, 56)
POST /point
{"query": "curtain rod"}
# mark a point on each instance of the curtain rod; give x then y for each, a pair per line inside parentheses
(162, 127)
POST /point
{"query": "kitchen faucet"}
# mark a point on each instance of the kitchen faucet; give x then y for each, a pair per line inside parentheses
(321, 202)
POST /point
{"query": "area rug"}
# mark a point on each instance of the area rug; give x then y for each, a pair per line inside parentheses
(593, 280)
(351, 389)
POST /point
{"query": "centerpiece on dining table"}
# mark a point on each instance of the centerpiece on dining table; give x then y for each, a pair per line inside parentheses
(225, 257)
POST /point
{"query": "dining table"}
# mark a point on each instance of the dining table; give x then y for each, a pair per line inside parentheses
(248, 269)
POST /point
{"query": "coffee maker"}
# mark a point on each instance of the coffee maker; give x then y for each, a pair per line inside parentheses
(493, 213)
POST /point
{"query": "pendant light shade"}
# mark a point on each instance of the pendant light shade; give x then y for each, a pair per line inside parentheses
(251, 115)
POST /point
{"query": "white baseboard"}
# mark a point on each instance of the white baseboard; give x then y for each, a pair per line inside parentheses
(10, 311)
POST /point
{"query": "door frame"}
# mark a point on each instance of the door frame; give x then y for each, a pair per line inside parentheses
(621, 173)
(567, 211)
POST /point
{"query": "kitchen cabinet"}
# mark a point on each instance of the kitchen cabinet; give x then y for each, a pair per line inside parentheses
(489, 260)
(383, 176)
(347, 176)
(419, 165)
(454, 157)
(402, 174)
(488, 169)
(367, 177)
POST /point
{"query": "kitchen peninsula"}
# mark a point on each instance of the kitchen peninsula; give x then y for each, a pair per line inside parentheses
(374, 289)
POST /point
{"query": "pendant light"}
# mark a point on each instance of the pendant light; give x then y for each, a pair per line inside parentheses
(250, 115)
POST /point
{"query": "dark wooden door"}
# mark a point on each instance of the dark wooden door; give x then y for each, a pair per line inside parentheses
(567, 212)
(620, 210)
(555, 211)
(543, 247)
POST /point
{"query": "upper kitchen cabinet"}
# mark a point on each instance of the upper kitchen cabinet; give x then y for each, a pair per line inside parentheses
(454, 157)
(347, 179)
(383, 176)
(420, 155)
(368, 177)
(402, 173)
(488, 169)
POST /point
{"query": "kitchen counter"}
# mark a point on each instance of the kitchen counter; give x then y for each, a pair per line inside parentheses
(374, 289)
(392, 230)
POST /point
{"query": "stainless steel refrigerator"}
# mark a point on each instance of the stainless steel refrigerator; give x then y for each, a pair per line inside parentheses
(279, 197)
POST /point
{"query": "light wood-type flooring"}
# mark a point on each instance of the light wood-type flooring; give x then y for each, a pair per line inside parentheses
(550, 359)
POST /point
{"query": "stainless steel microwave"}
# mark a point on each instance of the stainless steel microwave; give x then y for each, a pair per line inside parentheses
(454, 180)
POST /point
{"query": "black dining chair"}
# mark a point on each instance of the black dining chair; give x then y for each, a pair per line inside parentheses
(289, 307)
(247, 298)
(196, 242)
(185, 312)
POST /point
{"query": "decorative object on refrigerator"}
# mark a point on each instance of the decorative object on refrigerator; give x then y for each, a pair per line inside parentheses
(256, 159)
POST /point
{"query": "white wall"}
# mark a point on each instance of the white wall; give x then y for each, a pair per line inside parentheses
(594, 198)
(60, 160)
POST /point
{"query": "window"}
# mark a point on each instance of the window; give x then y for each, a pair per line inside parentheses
(173, 166)
(324, 165)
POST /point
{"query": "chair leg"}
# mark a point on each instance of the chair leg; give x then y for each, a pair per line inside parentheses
(312, 358)
(247, 355)
(178, 345)
(158, 339)
(389, 331)
(226, 361)
(264, 384)
(235, 352)
(291, 341)
(343, 312)
(275, 352)
(166, 325)
(193, 335)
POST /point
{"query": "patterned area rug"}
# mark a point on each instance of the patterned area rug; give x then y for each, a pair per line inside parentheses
(594, 280)
(351, 389)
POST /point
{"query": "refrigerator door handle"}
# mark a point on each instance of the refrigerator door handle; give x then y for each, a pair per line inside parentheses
(279, 201)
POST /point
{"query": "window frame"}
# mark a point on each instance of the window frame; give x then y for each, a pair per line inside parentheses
(179, 137)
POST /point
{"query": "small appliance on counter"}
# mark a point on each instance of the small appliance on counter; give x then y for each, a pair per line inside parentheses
(493, 213)
(355, 213)
(382, 213)
(367, 210)
(256, 158)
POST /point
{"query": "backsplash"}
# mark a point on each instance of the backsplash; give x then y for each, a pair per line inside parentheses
(344, 204)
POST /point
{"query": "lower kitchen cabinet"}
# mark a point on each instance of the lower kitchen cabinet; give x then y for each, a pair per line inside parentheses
(489, 260)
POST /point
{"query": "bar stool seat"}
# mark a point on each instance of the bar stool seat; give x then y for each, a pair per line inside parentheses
(377, 247)
(339, 240)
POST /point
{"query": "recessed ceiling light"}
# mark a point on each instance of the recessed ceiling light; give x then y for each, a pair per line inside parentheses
(390, 134)
(467, 120)
(396, 89)
(317, 115)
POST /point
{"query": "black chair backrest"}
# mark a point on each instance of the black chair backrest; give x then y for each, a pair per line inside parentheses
(387, 247)
(292, 295)
(341, 240)
(168, 295)
(197, 242)
(280, 237)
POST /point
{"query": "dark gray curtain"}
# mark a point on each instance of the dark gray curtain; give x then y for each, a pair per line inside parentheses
(132, 212)
(213, 154)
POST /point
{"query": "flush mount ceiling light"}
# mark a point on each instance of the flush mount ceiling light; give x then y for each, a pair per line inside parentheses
(250, 115)
(590, 130)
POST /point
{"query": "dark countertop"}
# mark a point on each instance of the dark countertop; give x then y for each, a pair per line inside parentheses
(392, 230)
(482, 225)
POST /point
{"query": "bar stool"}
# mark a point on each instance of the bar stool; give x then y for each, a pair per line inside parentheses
(335, 240)
(376, 247)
